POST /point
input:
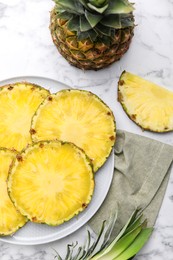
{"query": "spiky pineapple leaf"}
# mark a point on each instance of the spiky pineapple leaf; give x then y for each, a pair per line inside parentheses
(99, 10)
(121, 233)
(97, 17)
(134, 216)
(123, 247)
(70, 249)
(59, 9)
(134, 224)
(84, 3)
(58, 257)
(108, 232)
(94, 249)
(87, 244)
(98, 3)
(71, 5)
(92, 35)
(127, 21)
(103, 30)
(113, 21)
(65, 15)
(106, 40)
(82, 36)
(84, 24)
(79, 254)
(119, 7)
(92, 18)
(122, 244)
(137, 244)
(73, 24)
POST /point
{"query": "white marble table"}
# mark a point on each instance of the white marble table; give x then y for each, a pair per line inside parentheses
(26, 48)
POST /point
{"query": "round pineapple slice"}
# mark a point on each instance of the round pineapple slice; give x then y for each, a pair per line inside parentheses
(10, 219)
(18, 104)
(147, 104)
(79, 117)
(51, 181)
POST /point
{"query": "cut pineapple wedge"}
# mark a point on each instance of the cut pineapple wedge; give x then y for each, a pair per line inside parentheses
(10, 219)
(51, 181)
(18, 104)
(147, 104)
(79, 117)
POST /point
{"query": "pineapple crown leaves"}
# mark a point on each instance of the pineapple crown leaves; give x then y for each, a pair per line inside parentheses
(127, 244)
(96, 17)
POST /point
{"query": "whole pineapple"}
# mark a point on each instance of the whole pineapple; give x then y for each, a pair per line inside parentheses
(92, 34)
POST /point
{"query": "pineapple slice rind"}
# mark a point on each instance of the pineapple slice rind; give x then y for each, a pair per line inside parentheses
(10, 219)
(79, 117)
(18, 104)
(51, 181)
(147, 104)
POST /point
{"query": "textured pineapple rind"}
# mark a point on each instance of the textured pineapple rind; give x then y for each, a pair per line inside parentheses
(13, 85)
(14, 165)
(91, 64)
(120, 99)
(16, 229)
(25, 219)
(34, 119)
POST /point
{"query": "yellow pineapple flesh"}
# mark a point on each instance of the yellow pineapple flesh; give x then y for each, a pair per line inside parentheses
(79, 117)
(10, 219)
(51, 181)
(147, 104)
(18, 104)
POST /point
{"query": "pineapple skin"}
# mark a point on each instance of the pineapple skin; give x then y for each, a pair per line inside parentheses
(85, 54)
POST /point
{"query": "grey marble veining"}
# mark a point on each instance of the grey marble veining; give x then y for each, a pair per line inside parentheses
(26, 48)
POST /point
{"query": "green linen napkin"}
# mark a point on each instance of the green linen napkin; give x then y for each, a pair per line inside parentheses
(142, 169)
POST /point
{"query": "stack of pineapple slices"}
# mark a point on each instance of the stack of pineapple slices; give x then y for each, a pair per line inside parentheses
(79, 117)
(50, 179)
(18, 104)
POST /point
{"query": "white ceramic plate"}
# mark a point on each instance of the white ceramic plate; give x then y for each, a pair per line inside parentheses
(34, 234)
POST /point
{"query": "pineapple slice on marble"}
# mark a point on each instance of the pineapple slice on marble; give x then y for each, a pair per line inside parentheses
(147, 104)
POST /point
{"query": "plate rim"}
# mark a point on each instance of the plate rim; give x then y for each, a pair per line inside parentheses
(75, 228)
(33, 76)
